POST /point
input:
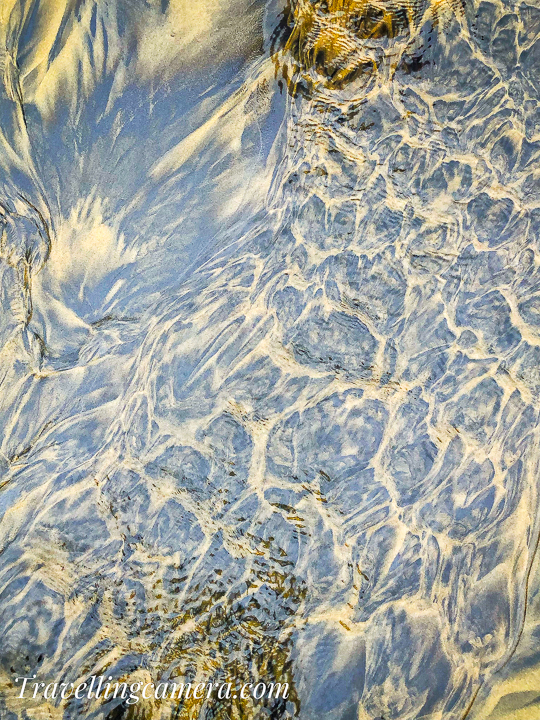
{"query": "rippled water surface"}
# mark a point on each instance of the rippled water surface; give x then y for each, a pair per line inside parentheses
(270, 355)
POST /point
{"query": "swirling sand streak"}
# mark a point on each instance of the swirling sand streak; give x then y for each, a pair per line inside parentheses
(269, 354)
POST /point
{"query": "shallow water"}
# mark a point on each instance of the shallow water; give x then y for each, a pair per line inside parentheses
(270, 348)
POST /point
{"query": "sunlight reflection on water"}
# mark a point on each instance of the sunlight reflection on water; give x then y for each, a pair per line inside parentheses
(269, 355)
